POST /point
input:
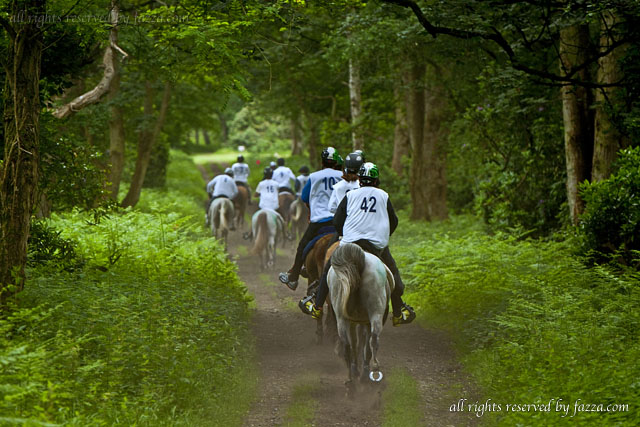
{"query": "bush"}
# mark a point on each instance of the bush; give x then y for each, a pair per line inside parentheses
(151, 329)
(534, 322)
(610, 224)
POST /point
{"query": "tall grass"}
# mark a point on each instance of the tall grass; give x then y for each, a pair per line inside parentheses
(149, 325)
(534, 322)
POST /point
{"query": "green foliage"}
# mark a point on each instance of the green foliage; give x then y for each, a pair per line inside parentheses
(535, 323)
(611, 221)
(46, 245)
(402, 401)
(152, 328)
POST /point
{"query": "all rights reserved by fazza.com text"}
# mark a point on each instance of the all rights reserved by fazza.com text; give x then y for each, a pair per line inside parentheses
(560, 406)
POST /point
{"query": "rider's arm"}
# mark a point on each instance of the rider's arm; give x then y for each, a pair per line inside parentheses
(340, 216)
(306, 191)
(393, 218)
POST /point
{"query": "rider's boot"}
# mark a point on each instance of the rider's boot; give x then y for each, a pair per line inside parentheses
(287, 279)
(406, 315)
(307, 306)
(303, 272)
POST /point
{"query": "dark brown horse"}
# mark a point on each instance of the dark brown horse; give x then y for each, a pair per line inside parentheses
(240, 205)
(284, 201)
(299, 213)
(314, 263)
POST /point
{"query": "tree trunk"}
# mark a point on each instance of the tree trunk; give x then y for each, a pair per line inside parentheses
(146, 140)
(197, 137)
(296, 143)
(401, 142)
(607, 140)
(356, 104)
(19, 170)
(205, 136)
(428, 107)
(578, 129)
(116, 136)
(224, 128)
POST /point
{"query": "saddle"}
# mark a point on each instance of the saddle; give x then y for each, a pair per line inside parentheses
(321, 233)
(286, 190)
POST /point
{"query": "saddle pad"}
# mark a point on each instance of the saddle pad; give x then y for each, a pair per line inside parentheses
(321, 233)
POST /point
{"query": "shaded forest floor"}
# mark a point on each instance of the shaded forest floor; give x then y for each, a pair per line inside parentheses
(296, 374)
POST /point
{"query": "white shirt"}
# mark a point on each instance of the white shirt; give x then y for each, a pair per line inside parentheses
(282, 175)
(268, 190)
(321, 186)
(302, 179)
(240, 171)
(339, 190)
(222, 185)
(367, 217)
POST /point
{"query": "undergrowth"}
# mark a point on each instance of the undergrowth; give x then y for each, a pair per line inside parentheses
(533, 322)
(150, 328)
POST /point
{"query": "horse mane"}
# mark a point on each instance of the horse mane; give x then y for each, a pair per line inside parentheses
(263, 234)
(348, 262)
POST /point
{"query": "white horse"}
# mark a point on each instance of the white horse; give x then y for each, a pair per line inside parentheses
(267, 226)
(221, 214)
(360, 286)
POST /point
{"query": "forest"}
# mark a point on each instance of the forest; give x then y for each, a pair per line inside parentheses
(507, 135)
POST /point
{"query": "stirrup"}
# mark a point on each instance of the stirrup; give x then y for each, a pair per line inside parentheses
(407, 315)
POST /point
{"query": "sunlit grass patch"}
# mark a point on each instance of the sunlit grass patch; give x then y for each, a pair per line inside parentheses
(302, 409)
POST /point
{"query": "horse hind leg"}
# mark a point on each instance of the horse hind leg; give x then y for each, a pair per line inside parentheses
(374, 342)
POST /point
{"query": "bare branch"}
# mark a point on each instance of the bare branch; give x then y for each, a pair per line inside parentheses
(109, 63)
(8, 28)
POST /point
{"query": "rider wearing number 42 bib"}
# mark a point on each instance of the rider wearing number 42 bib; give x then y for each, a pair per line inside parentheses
(316, 194)
(365, 216)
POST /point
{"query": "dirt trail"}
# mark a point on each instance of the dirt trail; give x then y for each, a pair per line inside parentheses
(289, 358)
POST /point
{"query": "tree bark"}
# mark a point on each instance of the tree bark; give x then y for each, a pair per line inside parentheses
(578, 129)
(205, 136)
(19, 169)
(197, 136)
(401, 142)
(607, 140)
(116, 136)
(296, 143)
(146, 140)
(428, 109)
(355, 96)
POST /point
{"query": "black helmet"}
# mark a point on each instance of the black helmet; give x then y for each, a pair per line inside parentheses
(268, 173)
(330, 156)
(280, 161)
(304, 169)
(353, 162)
(241, 158)
(369, 174)
(364, 158)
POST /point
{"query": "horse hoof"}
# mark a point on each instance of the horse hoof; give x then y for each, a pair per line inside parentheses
(375, 376)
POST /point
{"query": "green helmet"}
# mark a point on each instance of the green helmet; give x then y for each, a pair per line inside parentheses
(330, 155)
(369, 174)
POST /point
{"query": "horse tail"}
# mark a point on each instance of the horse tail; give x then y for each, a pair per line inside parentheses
(223, 215)
(296, 210)
(262, 234)
(348, 262)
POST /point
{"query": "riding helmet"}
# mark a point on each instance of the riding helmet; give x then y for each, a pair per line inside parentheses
(229, 172)
(369, 174)
(353, 162)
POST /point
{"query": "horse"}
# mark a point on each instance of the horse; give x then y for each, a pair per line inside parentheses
(221, 218)
(360, 286)
(267, 227)
(240, 205)
(314, 264)
(285, 199)
(299, 216)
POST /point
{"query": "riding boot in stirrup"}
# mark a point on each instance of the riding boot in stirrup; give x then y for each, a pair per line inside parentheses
(291, 284)
(406, 316)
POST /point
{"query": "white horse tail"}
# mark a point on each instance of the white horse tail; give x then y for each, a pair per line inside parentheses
(296, 210)
(262, 237)
(348, 262)
(223, 215)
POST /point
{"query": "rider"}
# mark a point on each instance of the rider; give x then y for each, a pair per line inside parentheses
(273, 166)
(366, 217)
(222, 185)
(283, 175)
(316, 194)
(349, 181)
(301, 180)
(241, 174)
(267, 190)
